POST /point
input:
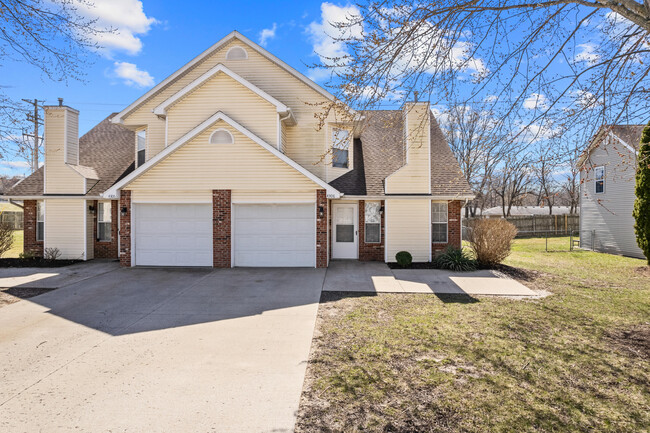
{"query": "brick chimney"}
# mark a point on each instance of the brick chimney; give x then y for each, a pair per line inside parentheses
(62, 150)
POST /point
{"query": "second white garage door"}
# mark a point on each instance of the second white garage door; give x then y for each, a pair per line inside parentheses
(173, 234)
(272, 235)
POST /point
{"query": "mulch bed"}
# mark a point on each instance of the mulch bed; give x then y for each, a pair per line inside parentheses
(35, 263)
(15, 294)
(414, 265)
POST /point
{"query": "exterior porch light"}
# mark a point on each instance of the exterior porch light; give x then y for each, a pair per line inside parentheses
(124, 211)
(91, 209)
(381, 210)
(321, 211)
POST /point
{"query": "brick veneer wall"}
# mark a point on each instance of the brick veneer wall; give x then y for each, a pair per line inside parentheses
(106, 249)
(125, 229)
(454, 228)
(369, 251)
(322, 250)
(221, 228)
(30, 244)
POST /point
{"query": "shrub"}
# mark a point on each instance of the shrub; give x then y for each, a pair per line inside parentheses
(6, 238)
(51, 253)
(404, 258)
(455, 259)
(491, 240)
(27, 255)
(641, 210)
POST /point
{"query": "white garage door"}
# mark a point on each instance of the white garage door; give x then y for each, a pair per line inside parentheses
(275, 235)
(173, 234)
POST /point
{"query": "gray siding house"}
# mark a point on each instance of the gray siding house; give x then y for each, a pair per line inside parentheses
(607, 197)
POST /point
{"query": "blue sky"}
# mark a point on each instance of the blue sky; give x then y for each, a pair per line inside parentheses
(155, 38)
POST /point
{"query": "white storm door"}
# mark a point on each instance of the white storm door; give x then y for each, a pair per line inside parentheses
(345, 226)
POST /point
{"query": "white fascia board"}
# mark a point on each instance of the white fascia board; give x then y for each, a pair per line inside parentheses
(627, 146)
(112, 191)
(161, 110)
(52, 197)
(232, 35)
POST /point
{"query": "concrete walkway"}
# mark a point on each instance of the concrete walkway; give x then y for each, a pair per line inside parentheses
(160, 350)
(353, 276)
(53, 278)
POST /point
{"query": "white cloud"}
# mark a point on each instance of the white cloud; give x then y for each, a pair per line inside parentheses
(587, 53)
(323, 34)
(125, 17)
(15, 164)
(267, 34)
(535, 101)
(132, 76)
(319, 74)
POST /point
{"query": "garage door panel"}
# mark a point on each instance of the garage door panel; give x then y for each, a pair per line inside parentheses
(274, 235)
(173, 234)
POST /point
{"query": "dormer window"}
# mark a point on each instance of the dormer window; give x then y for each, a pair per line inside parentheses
(221, 136)
(340, 148)
(236, 53)
(142, 146)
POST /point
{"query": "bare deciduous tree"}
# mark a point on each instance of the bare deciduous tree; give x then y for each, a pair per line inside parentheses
(49, 35)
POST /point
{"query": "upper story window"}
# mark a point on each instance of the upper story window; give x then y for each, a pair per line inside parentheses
(236, 53)
(340, 148)
(439, 223)
(104, 220)
(599, 173)
(142, 146)
(221, 136)
(40, 221)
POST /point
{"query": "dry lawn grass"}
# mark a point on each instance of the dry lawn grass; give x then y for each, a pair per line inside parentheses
(574, 361)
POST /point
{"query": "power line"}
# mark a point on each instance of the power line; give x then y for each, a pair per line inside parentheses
(36, 120)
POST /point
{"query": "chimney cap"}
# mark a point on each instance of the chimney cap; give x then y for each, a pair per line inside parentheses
(60, 102)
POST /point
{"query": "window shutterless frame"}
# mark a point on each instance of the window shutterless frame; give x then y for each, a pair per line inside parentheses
(104, 221)
(40, 221)
(599, 174)
(141, 141)
(340, 148)
(439, 223)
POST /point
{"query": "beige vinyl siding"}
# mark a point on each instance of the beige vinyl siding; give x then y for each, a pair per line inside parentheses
(408, 228)
(193, 196)
(59, 178)
(305, 142)
(64, 227)
(201, 166)
(90, 232)
(222, 93)
(72, 138)
(414, 177)
(606, 218)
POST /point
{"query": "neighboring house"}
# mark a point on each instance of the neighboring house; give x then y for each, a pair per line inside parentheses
(224, 164)
(607, 178)
(497, 212)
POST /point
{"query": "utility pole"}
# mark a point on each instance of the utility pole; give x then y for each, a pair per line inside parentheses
(35, 118)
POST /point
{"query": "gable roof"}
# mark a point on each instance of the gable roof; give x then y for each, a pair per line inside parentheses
(627, 135)
(220, 68)
(205, 54)
(112, 191)
(106, 152)
(383, 153)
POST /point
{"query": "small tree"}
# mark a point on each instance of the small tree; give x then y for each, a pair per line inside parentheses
(6, 238)
(642, 203)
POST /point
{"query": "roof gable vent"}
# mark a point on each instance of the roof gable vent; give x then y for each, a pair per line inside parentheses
(236, 53)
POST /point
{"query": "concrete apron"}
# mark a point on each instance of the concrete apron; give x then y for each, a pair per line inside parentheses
(160, 350)
(377, 277)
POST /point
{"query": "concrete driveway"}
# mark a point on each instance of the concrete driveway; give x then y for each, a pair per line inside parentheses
(160, 350)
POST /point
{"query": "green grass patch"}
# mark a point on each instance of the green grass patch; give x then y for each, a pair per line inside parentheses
(577, 360)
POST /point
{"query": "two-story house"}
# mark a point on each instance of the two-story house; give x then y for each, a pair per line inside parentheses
(227, 163)
(607, 179)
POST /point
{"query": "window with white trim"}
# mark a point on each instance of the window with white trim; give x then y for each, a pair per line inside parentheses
(372, 221)
(104, 221)
(599, 173)
(439, 223)
(340, 147)
(142, 146)
(40, 221)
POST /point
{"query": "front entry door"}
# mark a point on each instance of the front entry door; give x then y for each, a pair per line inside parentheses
(345, 226)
